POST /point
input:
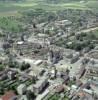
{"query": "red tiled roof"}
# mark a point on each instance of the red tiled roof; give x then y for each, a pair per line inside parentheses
(8, 95)
(59, 88)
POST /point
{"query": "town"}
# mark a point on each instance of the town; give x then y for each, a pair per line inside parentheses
(50, 56)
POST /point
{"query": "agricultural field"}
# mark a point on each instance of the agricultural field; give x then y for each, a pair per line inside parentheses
(17, 9)
(12, 8)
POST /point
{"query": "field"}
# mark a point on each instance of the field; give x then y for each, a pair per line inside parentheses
(9, 24)
(12, 8)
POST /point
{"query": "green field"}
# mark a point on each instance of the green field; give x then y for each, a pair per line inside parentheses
(9, 24)
(12, 8)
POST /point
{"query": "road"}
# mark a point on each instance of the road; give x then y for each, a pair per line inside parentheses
(79, 32)
(87, 30)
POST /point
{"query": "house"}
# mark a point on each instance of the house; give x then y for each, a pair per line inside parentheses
(9, 95)
(59, 88)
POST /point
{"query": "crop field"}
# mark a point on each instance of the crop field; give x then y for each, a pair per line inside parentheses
(12, 8)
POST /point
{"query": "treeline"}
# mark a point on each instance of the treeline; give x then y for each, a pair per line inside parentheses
(60, 1)
(11, 0)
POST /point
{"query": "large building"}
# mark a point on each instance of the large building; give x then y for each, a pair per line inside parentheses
(92, 72)
(21, 89)
(40, 85)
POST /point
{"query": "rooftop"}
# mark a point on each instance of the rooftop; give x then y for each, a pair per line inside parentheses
(40, 82)
(8, 95)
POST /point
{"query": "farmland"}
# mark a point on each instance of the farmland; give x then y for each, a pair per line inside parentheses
(12, 8)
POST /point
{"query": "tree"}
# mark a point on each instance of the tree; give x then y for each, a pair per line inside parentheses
(30, 95)
(24, 66)
(1, 67)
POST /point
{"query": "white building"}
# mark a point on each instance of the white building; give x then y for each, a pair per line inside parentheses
(21, 89)
(40, 85)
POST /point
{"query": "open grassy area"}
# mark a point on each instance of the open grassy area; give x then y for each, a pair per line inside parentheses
(93, 5)
(10, 25)
(11, 8)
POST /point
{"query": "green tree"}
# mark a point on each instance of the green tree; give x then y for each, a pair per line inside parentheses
(30, 95)
(24, 66)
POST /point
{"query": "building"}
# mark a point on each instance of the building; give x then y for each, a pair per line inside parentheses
(59, 89)
(21, 89)
(85, 95)
(23, 97)
(81, 72)
(63, 23)
(53, 73)
(79, 83)
(10, 95)
(75, 57)
(54, 56)
(11, 75)
(40, 85)
(92, 72)
(66, 78)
